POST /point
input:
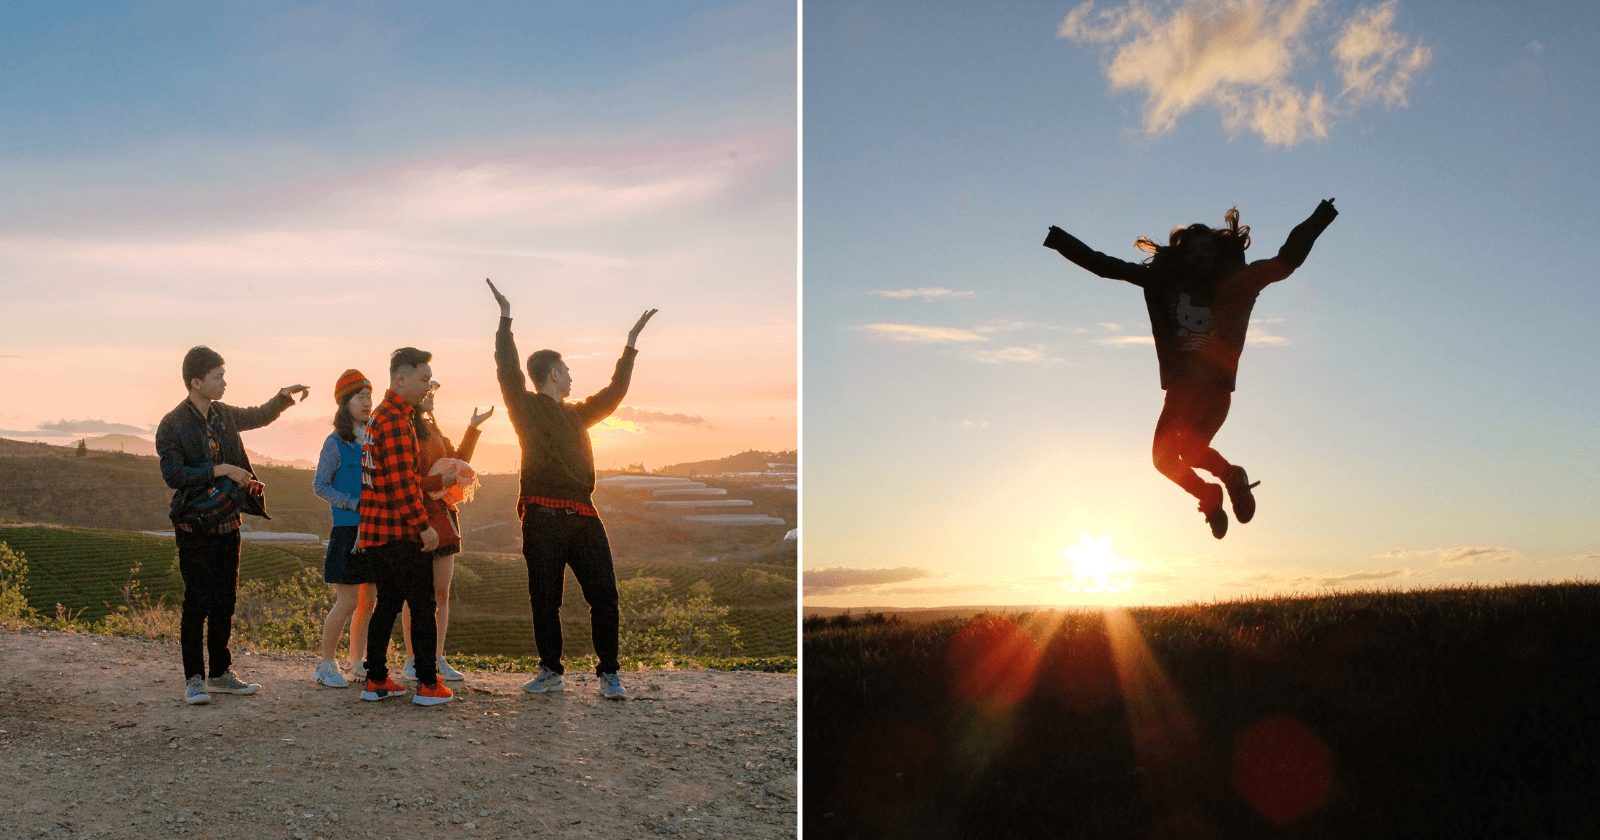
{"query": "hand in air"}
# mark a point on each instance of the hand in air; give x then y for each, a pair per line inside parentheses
(477, 419)
(505, 305)
(291, 390)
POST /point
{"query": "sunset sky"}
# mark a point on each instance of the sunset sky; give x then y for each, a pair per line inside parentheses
(305, 187)
(1419, 400)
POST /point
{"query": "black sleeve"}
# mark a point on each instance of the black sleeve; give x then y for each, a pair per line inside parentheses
(1298, 246)
(1093, 261)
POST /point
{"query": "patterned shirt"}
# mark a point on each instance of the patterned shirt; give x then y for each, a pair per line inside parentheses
(391, 497)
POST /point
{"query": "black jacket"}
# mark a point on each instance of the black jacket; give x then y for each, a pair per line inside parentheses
(183, 448)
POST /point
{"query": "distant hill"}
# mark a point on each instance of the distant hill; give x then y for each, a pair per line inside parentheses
(135, 445)
(750, 461)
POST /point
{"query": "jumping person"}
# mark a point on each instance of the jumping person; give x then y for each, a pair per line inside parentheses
(395, 532)
(560, 526)
(1199, 291)
(434, 447)
(199, 444)
(338, 482)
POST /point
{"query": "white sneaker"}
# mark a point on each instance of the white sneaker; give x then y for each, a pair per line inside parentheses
(194, 691)
(229, 683)
(358, 669)
(547, 680)
(328, 674)
(447, 672)
(410, 670)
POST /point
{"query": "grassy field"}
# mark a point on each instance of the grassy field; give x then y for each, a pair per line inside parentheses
(86, 570)
(1449, 713)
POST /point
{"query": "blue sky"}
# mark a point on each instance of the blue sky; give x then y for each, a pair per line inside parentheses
(306, 186)
(1418, 400)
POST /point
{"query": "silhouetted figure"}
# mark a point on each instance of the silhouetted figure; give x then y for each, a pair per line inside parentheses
(1199, 292)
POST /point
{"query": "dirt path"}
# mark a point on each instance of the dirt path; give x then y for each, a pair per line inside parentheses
(96, 742)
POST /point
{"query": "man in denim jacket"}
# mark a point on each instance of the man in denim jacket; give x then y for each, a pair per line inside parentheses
(198, 442)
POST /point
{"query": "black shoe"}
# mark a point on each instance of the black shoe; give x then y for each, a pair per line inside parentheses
(1244, 502)
(1211, 506)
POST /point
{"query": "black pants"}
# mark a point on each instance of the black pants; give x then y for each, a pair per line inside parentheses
(1190, 417)
(209, 564)
(405, 576)
(550, 543)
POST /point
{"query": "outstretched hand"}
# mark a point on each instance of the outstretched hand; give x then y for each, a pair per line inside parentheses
(1327, 207)
(633, 334)
(477, 419)
(291, 390)
(505, 305)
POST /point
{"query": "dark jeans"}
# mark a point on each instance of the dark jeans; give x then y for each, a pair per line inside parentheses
(209, 564)
(405, 576)
(550, 543)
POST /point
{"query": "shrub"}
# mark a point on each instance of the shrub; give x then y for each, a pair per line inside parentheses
(655, 623)
(14, 587)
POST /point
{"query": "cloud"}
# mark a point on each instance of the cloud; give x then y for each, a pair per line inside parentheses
(646, 416)
(1017, 355)
(931, 293)
(93, 427)
(1245, 59)
(1462, 555)
(1127, 340)
(842, 578)
(1375, 63)
(919, 334)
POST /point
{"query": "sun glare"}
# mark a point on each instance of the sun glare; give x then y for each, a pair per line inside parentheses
(1095, 566)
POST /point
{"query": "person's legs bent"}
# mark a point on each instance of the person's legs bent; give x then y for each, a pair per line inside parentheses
(1172, 439)
(1209, 411)
(591, 564)
(543, 552)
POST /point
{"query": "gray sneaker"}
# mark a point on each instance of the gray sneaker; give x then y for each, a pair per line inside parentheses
(410, 670)
(194, 692)
(328, 674)
(547, 680)
(611, 687)
(447, 672)
(229, 683)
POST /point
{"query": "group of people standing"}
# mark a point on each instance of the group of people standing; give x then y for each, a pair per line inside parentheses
(393, 480)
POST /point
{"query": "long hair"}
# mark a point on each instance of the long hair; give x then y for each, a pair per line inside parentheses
(420, 421)
(1232, 241)
(343, 424)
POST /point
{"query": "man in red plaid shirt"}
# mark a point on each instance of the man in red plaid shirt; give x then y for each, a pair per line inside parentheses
(395, 530)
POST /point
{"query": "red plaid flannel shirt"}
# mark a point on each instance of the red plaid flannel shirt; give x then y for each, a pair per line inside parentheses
(391, 497)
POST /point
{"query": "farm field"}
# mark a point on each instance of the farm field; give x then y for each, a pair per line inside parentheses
(87, 570)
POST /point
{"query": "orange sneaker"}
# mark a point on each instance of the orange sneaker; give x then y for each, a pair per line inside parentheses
(378, 690)
(432, 695)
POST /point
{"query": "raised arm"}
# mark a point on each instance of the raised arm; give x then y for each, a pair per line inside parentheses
(1093, 261)
(600, 405)
(245, 419)
(1298, 246)
(507, 367)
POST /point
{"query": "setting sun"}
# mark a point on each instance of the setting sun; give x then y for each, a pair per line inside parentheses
(1095, 566)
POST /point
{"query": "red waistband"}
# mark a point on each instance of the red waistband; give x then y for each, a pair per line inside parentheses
(525, 502)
